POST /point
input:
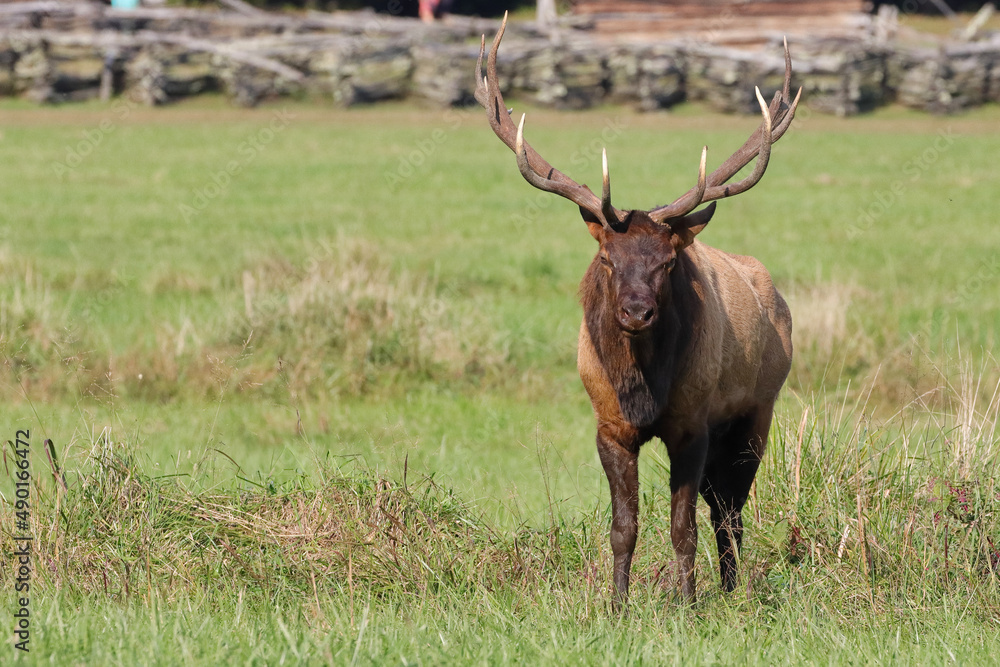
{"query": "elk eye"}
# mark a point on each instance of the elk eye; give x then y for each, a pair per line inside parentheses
(669, 264)
(606, 261)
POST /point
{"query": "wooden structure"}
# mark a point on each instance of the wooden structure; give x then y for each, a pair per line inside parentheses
(724, 21)
(55, 51)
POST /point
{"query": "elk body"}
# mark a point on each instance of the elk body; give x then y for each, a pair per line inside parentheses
(679, 340)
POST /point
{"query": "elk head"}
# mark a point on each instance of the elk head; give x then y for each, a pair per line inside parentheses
(638, 249)
(635, 262)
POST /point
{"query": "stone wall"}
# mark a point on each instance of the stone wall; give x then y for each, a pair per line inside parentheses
(61, 53)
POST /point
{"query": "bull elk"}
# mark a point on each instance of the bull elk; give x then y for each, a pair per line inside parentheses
(679, 340)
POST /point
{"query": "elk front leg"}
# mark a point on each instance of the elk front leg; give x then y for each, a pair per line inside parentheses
(686, 465)
(621, 467)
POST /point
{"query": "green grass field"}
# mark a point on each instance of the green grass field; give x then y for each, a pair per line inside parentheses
(310, 376)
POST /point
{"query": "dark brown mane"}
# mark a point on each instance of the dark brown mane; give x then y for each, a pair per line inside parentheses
(641, 370)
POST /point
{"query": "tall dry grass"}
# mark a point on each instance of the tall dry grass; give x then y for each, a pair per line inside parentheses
(344, 318)
(341, 321)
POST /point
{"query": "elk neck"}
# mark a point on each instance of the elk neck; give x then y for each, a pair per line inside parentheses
(642, 368)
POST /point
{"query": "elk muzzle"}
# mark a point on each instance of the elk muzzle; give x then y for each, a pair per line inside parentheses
(636, 314)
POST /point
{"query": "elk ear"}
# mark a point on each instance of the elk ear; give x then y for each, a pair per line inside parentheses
(686, 227)
(593, 224)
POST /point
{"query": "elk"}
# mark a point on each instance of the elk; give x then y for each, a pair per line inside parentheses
(678, 341)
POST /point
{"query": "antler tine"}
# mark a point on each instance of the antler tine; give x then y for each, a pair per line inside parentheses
(689, 200)
(781, 104)
(606, 208)
(779, 131)
(529, 174)
(535, 169)
(786, 89)
(481, 92)
(763, 155)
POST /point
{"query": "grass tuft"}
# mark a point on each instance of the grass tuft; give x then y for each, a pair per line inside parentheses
(345, 320)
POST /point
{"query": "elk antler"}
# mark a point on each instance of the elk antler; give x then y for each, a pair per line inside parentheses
(777, 117)
(533, 166)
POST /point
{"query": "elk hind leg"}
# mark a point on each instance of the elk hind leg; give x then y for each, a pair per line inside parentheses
(735, 455)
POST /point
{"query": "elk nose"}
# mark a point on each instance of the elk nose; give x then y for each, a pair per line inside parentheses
(637, 315)
(638, 312)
